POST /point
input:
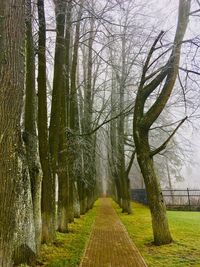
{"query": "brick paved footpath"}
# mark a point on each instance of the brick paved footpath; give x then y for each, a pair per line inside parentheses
(109, 244)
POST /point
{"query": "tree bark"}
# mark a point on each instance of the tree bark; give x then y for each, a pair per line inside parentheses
(57, 84)
(48, 183)
(154, 193)
(11, 99)
(58, 120)
(113, 143)
(24, 247)
(63, 173)
(73, 116)
(89, 152)
(125, 191)
(30, 135)
(170, 182)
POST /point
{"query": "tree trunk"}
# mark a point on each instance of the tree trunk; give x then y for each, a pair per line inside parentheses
(63, 189)
(63, 173)
(30, 135)
(125, 195)
(154, 193)
(73, 117)
(58, 120)
(24, 248)
(76, 202)
(113, 143)
(48, 183)
(170, 182)
(90, 140)
(11, 98)
(58, 83)
(82, 195)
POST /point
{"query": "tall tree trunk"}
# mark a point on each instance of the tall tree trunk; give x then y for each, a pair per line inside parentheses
(88, 153)
(63, 170)
(154, 194)
(11, 98)
(57, 84)
(57, 141)
(63, 175)
(125, 202)
(73, 116)
(30, 135)
(48, 183)
(68, 40)
(113, 143)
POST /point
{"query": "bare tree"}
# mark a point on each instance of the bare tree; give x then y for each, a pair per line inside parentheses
(144, 119)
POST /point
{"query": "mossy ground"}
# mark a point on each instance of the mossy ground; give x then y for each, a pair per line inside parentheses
(69, 248)
(185, 229)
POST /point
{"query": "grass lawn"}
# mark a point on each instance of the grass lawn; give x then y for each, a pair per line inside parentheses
(185, 229)
(69, 248)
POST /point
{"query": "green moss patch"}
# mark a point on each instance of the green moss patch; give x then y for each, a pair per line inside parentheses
(69, 248)
(185, 229)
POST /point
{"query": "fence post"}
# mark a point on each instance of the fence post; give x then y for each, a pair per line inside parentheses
(188, 193)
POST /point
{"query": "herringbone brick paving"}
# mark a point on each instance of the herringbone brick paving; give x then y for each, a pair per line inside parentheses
(109, 244)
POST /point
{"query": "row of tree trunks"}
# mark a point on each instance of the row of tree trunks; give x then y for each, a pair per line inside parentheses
(117, 139)
(28, 215)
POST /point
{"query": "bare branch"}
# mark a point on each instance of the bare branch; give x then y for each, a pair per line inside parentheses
(189, 71)
(194, 12)
(163, 146)
(130, 163)
(145, 68)
(124, 113)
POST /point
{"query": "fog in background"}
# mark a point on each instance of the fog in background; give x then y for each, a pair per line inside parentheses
(162, 15)
(157, 15)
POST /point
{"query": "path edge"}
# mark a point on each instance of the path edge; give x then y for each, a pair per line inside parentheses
(128, 236)
(87, 242)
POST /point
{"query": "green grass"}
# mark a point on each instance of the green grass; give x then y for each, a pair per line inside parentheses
(185, 229)
(69, 248)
